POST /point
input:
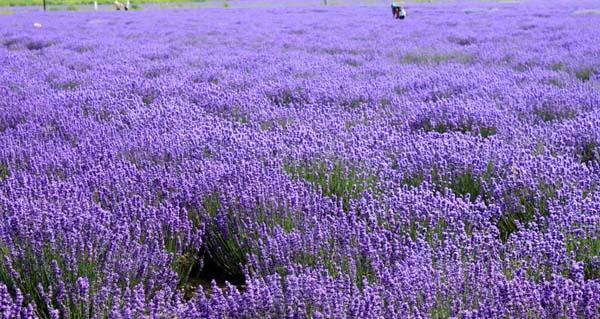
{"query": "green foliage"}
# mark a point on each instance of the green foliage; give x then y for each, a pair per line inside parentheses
(587, 250)
(282, 122)
(412, 180)
(462, 41)
(584, 248)
(538, 149)
(442, 309)
(227, 252)
(69, 85)
(284, 97)
(148, 98)
(584, 74)
(239, 115)
(401, 90)
(557, 66)
(589, 152)
(541, 271)
(337, 180)
(527, 205)
(435, 58)
(272, 217)
(466, 183)
(352, 63)
(4, 172)
(357, 267)
(467, 127)
(355, 102)
(487, 131)
(550, 114)
(36, 274)
(224, 241)
(227, 241)
(556, 82)
(432, 233)
(525, 210)
(384, 101)
(267, 125)
(186, 259)
(425, 58)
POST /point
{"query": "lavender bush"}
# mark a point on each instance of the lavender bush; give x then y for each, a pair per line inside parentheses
(304, 162)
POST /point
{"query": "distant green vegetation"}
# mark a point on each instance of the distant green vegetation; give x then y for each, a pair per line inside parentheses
(70, 3)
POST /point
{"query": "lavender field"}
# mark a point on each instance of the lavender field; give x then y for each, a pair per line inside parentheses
(306, 162)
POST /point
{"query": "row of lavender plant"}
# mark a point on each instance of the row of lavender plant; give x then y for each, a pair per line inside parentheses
(301, 163)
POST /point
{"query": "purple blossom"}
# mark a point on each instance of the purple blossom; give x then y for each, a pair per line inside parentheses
(301, 162)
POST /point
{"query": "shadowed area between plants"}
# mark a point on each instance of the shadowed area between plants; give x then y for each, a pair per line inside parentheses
(232, 228)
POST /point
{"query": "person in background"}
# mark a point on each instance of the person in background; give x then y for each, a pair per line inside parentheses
(397, 10)
(118, 5)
